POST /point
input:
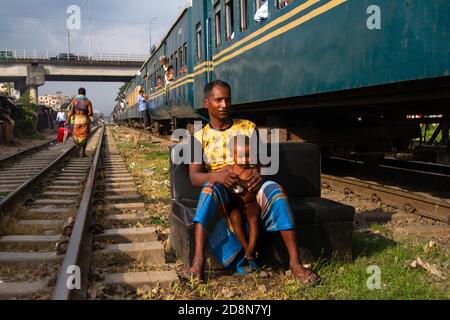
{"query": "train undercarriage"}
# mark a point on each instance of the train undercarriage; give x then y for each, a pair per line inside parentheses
(408, 118)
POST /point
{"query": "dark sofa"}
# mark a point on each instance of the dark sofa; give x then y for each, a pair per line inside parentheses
(324, 227)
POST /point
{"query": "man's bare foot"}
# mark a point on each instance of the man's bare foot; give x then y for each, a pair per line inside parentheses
(305, 276)
(196, 270)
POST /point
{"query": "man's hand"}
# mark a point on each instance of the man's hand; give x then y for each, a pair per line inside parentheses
(254, 181)
(225, 177)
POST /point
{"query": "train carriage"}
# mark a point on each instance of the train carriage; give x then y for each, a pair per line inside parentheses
(342, 73)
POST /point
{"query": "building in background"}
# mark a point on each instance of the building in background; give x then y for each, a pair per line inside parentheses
(7, 89)
(55, 102)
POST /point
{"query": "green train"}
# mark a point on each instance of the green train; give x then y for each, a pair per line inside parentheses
(347, 74)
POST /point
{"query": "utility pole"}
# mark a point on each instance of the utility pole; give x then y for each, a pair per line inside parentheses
(154, 18)
(68, 42)
(90, 29)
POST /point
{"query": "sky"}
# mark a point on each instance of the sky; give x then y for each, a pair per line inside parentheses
(118, 27)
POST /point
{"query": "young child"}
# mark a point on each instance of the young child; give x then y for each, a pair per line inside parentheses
(244, 201)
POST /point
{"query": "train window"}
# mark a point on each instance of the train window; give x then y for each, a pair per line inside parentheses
(244, 14)
(199, 41)
(258, 4)
(185, 60)
(229, 20)
(180, 55)
(282, 3)
(218, 22)
(176, 63)
(262, 10)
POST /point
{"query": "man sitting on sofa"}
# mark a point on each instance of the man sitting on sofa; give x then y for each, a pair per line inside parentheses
(212, 214)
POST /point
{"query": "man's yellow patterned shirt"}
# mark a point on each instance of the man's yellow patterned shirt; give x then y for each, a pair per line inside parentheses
(215, 143)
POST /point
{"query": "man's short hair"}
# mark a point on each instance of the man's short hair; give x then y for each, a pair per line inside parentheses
(162, 58)
(142, 90)
(210, 86)
(82, 91)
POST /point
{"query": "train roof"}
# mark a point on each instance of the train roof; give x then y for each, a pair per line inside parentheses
(185, 9)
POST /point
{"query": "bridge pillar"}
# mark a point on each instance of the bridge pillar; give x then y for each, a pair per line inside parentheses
(35, 78)
(34, 94)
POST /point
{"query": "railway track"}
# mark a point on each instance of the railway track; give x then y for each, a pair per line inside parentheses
(35, 237)
(417, 165)
(411, 190)
(88, 219)
(6, 159)
(23, 169)
(127, 252)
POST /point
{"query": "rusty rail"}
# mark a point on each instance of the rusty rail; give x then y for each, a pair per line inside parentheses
(426, 206)
(80, 243)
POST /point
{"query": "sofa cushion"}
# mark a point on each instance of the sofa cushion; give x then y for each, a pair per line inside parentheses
(308, 210)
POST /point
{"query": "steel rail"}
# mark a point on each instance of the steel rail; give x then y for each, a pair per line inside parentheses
(426, 206)
(7, 202)
(80, 243)
(417, 165)
(25, 151)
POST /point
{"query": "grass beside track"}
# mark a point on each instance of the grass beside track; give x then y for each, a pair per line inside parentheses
(340, 280)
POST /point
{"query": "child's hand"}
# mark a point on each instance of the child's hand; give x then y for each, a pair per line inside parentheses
(254, 180)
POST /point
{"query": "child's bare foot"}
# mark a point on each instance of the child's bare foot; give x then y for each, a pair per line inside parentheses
(305, 276)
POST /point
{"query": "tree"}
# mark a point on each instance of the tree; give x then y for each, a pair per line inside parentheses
(122, 90)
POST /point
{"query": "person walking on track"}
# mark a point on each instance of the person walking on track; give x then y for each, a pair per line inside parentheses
(61, 118)
(82, 110)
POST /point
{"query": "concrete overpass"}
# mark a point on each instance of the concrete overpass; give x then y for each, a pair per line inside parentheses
(30, 72)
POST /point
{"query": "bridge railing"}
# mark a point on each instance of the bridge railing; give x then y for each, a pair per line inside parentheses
(52, 55)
